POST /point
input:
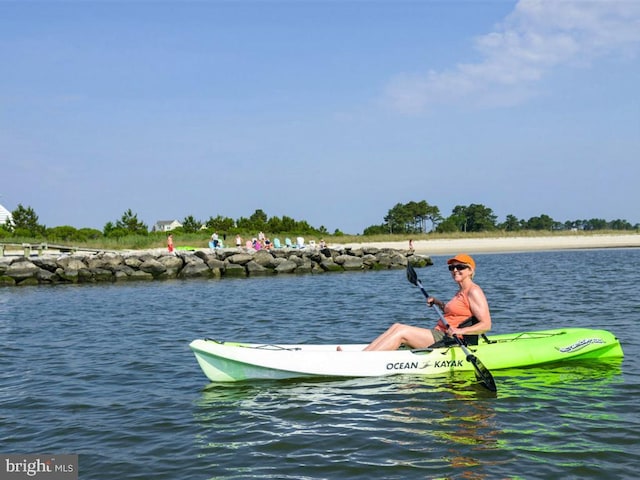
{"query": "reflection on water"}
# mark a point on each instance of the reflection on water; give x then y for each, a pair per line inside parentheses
(590, 378)
(449, 426)
(356, 423)
(560, 412)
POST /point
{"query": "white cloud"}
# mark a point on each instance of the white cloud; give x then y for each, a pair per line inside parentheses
(536, 37)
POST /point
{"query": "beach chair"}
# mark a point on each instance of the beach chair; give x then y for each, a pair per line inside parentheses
(276, 243)
(287, 243)
(300, 242)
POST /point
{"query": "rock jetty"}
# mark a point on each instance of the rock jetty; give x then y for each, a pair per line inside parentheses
(158, 264)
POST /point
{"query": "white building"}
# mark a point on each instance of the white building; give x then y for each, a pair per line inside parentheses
(5, 216)
(166, 225)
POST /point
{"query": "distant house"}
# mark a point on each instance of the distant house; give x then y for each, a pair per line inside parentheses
(166, 225)
(5, 216)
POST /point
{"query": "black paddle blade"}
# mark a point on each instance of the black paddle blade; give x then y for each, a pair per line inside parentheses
(483, 375)
(412, 276)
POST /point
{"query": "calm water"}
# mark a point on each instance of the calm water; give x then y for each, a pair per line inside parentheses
(105, 372)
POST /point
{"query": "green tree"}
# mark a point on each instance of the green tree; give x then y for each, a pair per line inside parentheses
(190, 224)
(394, 219)
(432, 214)
(288, 224)
(243, 224)
(129, 222)
(511, 224)
(480, 218)
(303, 226)
(127, 225)
(274, 225)
(401, 218)
(89, 233)
(474, 218)
(220, 224)
(421, 212)
(258, 220)
(416, 216)
(596, 224)
(64, 233)
(108, 228)
(543, 222)
(25, 222)
(450, 224)
(411, 217)
(376, 230)
(620, 225)
(111, 231)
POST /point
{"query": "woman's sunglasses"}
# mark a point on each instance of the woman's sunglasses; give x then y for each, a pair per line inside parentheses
(458, 266)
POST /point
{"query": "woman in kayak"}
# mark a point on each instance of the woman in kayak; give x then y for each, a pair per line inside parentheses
(470, 301)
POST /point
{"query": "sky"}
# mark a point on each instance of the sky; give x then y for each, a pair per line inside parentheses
(331, 112)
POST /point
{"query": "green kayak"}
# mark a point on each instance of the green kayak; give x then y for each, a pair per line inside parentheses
(232, 361)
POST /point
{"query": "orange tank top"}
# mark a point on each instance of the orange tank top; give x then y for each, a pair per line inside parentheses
(457, 310)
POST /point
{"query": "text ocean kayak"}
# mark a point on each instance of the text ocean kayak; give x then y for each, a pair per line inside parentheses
(232, 361)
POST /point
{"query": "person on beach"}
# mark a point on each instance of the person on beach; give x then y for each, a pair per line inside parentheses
(170, 243)
(467, 306)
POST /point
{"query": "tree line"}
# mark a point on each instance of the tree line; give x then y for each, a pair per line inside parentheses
(420, 217)
(25, 224)
(408, 218)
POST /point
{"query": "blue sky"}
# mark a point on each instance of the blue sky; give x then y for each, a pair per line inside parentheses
(326, 111)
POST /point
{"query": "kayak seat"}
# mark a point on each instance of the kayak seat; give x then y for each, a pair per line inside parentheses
(451, 342)
(469, 339)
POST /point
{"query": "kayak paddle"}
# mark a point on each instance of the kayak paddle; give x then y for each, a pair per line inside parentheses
(483, 375)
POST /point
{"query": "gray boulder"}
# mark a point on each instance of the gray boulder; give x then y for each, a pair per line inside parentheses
(22, 270)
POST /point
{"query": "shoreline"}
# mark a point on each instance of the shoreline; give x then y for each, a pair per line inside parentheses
(509, 244)
(447, 246)
(159, 264)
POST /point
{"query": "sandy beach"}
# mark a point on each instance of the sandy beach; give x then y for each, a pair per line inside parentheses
(467, 245)
(511, 244)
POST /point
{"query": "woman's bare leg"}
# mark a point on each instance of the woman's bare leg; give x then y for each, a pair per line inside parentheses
(398, 334)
